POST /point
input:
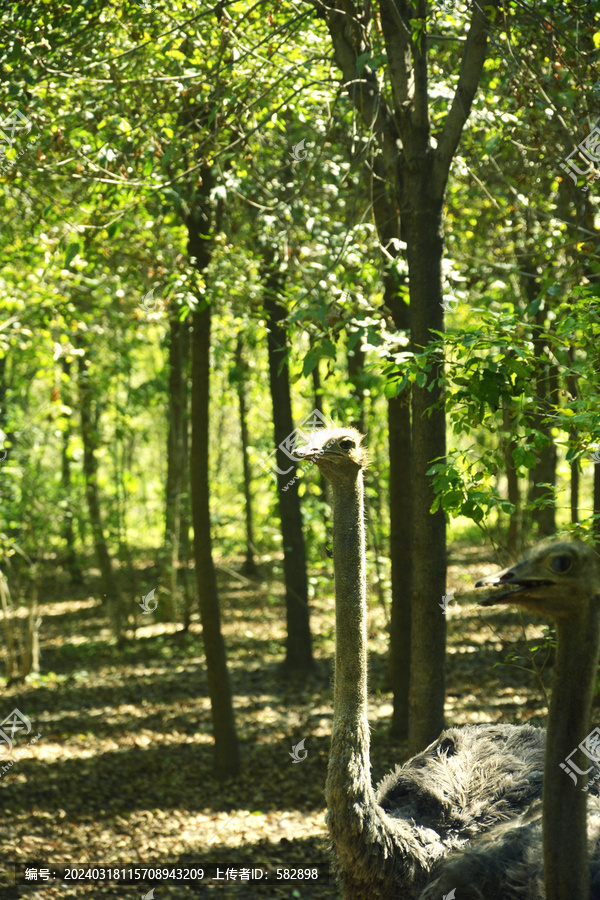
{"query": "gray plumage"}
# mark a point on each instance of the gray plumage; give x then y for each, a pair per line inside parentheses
(506, 863)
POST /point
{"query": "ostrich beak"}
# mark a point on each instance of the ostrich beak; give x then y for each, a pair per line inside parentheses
(312, 451)
(518, 579)
(307, 452)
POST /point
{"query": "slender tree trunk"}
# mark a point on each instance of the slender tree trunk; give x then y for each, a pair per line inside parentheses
(400, 450)
(185, 553)
(227, 757)
(3, 391)
(71, 561)
(597, 502)
(184, 558)
(318, 405)
(513, 538)
(227, 760)
(67, 530)
(90, 468)
(32, 647)
(8, 494)
(573, 388)
(544, 472)
(574, 483)
(422, 219)
(249, 567)
(175, 464)
(299, 658)
(11, 657)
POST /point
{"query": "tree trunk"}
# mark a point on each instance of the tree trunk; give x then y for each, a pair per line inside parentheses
(175, 465)
(22, 641)
(249, 567)
(11, 635)
(543, 490)
(422, 219)
(400, 557)
(400, 451)
(185, 553)
(575, 491)
(67, 530)
(299, 658)
(513, 537)
(71, 562)
(318, 405)
(90, 469)
(596, 529)
(227, 757)
(227, 761)
(573, 389)
(543, 512)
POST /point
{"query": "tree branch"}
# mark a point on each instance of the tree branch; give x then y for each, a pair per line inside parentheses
(470, 74)
(396, 36)
(421, 103)
(350, 40)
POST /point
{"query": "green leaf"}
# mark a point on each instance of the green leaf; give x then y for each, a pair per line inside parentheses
(472, 510)
(362, 61)
(493, 143)
(72, 251)
(310, 360)
(524, 457)
(452, 499)
(391, 389)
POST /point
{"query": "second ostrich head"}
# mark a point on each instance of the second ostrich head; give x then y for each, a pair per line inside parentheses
(559, 579)
(338, 452)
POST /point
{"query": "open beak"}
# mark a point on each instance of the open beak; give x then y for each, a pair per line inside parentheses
(515, 579)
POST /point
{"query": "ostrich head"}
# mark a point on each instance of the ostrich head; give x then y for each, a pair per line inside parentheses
(338, 452)
(560, 579)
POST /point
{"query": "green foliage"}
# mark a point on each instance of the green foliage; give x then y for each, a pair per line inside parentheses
(95, 254)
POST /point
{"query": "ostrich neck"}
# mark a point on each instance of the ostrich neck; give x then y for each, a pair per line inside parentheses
(350, 797)
(369, 854)
(350, 696)
(564, 803)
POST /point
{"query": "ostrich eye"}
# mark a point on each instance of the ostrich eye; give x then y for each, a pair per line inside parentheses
(346, 444)
(561, 563)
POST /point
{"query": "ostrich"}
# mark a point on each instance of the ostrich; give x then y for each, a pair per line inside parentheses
(548, 847)
(389, 842)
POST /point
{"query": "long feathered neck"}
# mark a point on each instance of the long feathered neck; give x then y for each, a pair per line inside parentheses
(350, 604)
(566, 865)
(356, 823)
(349, 791)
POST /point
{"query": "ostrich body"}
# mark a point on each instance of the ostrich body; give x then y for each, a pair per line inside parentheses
(390, 842)
(545, 855)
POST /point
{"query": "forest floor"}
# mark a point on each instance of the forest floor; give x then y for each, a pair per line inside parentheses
(122, 772)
